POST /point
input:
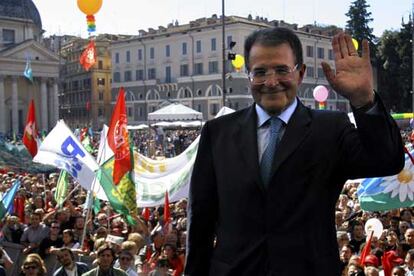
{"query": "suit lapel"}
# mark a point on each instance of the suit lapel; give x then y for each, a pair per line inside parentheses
(246, 141)
(296, 131)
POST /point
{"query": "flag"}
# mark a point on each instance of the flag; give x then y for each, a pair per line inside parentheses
(118, 139)
(96, 205)
(18, 207)
(30, 138)
(63, 150)
(88, 56)
(367, 249)
(28, 70)
(167, 214)
(122, 197)
(7, 200)
(86, 142)
(62, 188)
(391, 192)
(146, 213)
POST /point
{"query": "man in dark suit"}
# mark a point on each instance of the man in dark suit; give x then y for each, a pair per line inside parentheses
(247, 217)
(69, 265)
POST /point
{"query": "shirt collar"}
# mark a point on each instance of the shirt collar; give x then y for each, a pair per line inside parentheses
(285, 116)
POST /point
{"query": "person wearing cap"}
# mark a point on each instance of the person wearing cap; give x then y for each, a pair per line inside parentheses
(371, 260)
(105, 261)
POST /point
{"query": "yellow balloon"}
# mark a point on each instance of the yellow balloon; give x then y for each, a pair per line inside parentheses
(89, 7)
(355, 42)
(238, 62)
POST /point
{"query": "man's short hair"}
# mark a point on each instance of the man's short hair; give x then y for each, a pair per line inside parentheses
(67, 249)
(273, 37)
(105, 247)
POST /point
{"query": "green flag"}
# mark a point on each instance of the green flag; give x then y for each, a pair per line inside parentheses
(96, 205)
(86, 142)
(62, 188)
(122, 196)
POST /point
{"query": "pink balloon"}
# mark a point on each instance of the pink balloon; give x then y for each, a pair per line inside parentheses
(320, 93)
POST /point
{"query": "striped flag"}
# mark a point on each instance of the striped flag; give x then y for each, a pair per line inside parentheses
(6, 203)
(62, 188)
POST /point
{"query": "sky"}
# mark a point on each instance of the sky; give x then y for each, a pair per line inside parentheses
(128, 16)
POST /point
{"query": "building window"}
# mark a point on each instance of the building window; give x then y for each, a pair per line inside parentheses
(151, 74)
(167, 50)
(100, 81)
(117, 77)
(310, 72)
(8, 36)
(152, 53)
(213, 44)
(198, 46)
(229, 40)
(213, 67)
(168, 74)
(198, 68)
(130, 111)
(309, 51)
(127, 76)
(184, 70)
(321, 52)
(100, 112)
(128, 56)
(184, 48)
(101, 96)
(213, 109)
(141, 113)
(100, 64)
(199, 108)
(330, 54)
(321, 75)
(139, 54)
(116, 57)
(139, 74)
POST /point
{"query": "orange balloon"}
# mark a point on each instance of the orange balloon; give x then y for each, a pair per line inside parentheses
(89, 7)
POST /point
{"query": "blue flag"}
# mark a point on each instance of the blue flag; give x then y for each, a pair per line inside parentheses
(391, 192)
(28, 70)
(6, 203)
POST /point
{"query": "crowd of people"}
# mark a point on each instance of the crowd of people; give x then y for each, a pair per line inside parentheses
(53, 241)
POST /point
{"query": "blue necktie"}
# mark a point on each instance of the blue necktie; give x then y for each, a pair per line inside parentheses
(268, 154)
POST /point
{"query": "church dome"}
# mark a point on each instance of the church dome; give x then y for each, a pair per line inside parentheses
(24, 9)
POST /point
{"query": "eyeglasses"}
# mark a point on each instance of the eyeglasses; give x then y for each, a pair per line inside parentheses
(29, 267)
(281, 72)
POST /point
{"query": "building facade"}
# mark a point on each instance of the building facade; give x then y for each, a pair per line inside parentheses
(85, 98)
(21, 43)
(183, 63)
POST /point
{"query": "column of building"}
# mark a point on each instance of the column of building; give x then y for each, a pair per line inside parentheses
(43, 104)
(2, 107)
(14, 106)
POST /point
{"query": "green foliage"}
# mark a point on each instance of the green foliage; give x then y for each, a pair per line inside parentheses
(395, 68)
(358, 24)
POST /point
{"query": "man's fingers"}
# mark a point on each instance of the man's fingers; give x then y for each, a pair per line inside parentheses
(335, 47)
(351, 48)
(365, 49)
(329, 73)
(343, 45)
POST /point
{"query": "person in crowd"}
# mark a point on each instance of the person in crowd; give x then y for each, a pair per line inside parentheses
(126, 262)
(33, 234)
(161, 269)
(371, 271)
(242, 159)
(406, 215)
(409, 237)
(398, 271)
(354, 269)
(174, 261)
(69, 265)
(106, 258)
(49, 244)
(409, 263)
(12, 229)
(33, 265)
(358, 237)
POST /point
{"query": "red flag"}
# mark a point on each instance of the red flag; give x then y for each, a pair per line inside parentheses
(18, 206)
(389, 260)
(146, 214)
(83, 133)
(367, 249)
(30, 130)
(118, 139)
(167, 215)
(88, 56)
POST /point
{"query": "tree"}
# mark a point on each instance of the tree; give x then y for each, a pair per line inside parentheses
(395, 68)
(358, 24)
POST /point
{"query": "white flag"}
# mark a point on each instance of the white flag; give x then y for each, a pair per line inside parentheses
(62, 149)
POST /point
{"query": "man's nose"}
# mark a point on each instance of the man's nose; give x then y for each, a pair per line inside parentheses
(271, 80)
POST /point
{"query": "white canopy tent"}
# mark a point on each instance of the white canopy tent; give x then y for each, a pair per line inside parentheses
(175, 112)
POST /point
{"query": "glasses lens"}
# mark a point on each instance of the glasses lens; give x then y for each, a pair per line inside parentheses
(29, 267)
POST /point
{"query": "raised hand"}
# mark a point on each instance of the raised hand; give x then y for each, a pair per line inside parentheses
(353, 77)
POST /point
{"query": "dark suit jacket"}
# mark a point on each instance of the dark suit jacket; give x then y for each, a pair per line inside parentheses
(287, 229)
(80, 267)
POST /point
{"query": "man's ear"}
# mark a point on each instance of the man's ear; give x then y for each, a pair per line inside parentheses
(302, 71)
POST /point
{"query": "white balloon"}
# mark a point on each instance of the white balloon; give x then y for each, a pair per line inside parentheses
(374, 224)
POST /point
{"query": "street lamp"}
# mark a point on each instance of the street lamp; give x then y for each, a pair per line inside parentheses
(223, 73)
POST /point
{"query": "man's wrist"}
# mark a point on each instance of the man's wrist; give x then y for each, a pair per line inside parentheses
(365, 105)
